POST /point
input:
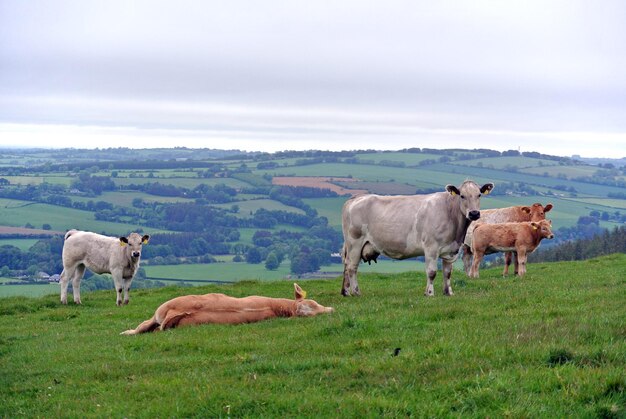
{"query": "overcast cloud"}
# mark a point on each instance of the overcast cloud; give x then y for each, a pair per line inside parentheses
(547, 76)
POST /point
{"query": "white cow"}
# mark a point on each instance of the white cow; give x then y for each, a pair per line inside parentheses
(401, 227)
(101, 254)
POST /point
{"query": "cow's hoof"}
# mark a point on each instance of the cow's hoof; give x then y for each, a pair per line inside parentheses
(345, 293)
(126, 302)
(449, 293)
(118, 303)
(429, 294)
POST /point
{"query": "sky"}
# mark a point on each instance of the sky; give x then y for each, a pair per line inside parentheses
(546, 76)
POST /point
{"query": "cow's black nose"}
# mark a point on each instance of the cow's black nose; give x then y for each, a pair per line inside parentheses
(136, 254)
(474, 215)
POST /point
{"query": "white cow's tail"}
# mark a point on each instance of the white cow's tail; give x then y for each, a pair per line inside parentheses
(69, 233)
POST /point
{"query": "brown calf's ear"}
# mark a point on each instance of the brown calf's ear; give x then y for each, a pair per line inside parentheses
(300, 293)
(534, 225)
(547, 208)
(486, 188)
(526, 210)
(145, 239)
(123, 241)
(452, 190)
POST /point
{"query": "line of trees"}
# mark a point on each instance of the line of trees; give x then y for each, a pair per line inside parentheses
(605, 243)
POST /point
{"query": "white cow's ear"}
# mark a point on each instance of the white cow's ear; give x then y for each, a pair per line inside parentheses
(145, 239)
(452, 190)
(123, 241)
(486, 188)
(299, 292)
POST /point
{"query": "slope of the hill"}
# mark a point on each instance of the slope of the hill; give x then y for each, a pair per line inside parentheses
(552, 344)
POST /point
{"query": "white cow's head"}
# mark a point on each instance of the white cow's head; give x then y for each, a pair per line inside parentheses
(469, 194)
(134, 242)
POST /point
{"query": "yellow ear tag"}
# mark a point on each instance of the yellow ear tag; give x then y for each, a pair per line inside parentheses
(487, 192)
(452, 193)
(122, 243)
(534, 227)
(303, 294)
(145, 242)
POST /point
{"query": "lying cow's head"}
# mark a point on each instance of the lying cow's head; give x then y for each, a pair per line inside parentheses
(469, 194)
(134, 242)
(308, 307)
(537, 211)
(544, 227)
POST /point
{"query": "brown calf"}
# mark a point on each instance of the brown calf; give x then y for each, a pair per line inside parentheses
(521, 238)
(535, 212)
(220, 308)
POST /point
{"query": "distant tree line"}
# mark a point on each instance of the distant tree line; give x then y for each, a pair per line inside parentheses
(605, 242)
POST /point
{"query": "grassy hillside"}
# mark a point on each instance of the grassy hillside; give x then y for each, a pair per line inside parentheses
(550, 345)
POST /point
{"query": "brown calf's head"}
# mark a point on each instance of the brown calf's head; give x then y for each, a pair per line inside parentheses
(537, 212)
(544, 227)
(308, 307)
(469, 193)
(134, 242)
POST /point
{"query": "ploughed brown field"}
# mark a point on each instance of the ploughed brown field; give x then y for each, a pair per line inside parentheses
(320, 182)
(6, 230)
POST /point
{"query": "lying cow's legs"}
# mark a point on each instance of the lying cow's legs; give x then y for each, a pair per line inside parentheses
(431, 272)
(352, 257)
(150, 325)
(78, 276)
(447, 273)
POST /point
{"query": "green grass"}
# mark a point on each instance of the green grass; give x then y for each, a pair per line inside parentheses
(506, 162)
(17, 213)
(552, 344)
(30, 290)
(22, 244)
(569, 171)
(247, 208)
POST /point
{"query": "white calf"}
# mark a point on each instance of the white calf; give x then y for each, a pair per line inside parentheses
(101, 254)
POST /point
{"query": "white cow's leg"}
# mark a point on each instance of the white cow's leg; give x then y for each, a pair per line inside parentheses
(431, 272)
(64, 281)
(352, 257)
(447, 273)
(127, 290)
(467, 258)
(77, 277)
(119, 285)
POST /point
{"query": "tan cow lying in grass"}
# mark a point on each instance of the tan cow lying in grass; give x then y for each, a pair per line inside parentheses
(101, 254)
(521, 238)
(220, 308)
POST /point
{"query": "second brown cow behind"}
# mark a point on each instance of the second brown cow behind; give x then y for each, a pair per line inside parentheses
(521, 238)
(220, 308)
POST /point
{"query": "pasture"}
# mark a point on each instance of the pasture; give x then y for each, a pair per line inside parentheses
(19, 213)
(550, 345)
